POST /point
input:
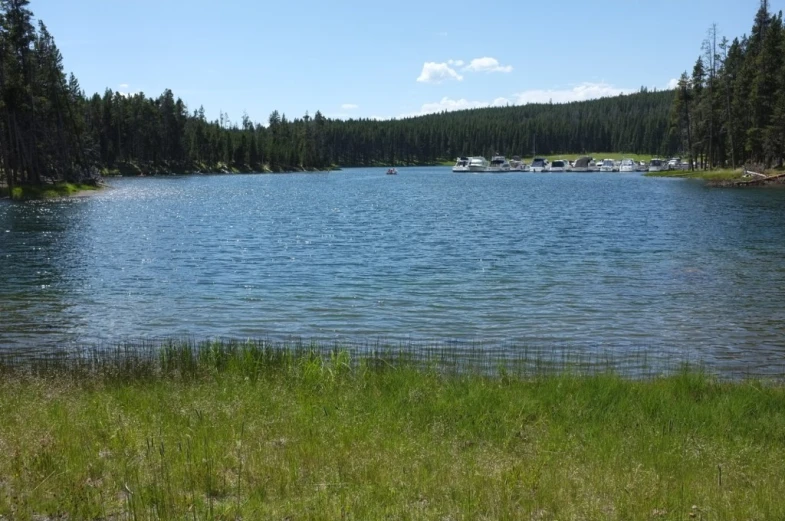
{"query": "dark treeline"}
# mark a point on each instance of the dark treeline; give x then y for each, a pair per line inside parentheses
(156, 131)
(42, 131)
(731, 110)
(635, 123)
(49, 129)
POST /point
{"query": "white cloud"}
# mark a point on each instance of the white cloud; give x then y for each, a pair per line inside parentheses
(487, 64)
(581, 92)
(449, 105)
(673, 84)
(349, 106)
(456, 63)
(433, 72)
(123, 85)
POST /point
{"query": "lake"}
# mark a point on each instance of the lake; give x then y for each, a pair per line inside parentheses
(576, 263)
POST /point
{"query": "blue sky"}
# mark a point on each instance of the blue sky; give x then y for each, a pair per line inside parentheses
(382, 59)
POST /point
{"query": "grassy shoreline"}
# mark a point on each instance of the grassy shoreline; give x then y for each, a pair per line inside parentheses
(706, 175)
(726, 178)
(50, 191)
(247, 430)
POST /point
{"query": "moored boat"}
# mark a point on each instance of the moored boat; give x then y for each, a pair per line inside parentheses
(558, 165)
(461, 165)
(539, 164)
(627, 165)
(516, 165)
(498, 164)
(607, 165)
(581, 164)
(657, 165)
(478, 164)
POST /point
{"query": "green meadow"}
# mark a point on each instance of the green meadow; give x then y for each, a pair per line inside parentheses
(252, 431)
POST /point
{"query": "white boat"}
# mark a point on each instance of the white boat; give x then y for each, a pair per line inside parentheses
(559, 165)
(581, 164)
(607, 165)
(539, 164)
(516, 165)
(642, 166)
(478, 164)
(627, 165)
(461, 165)
(498, 164)
(657, 165)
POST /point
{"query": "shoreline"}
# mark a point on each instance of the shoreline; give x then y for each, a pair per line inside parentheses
(52, 191)
(725, 178)
(254, 433)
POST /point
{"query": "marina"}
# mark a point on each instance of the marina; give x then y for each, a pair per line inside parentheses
(499, 164)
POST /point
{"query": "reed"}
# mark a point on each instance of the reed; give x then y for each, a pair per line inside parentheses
(263, 430)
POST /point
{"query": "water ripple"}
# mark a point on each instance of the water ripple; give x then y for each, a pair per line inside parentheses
(579, 262)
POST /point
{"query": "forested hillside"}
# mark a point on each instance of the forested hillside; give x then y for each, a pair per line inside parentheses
(731, 109)
(50, 130)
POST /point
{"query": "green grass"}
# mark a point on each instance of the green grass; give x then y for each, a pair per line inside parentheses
(251, 431)
(707, 175)
(46, 191)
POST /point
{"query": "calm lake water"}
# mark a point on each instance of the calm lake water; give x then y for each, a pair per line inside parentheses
(578, 263)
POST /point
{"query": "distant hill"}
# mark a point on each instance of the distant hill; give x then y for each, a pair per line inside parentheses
(635, 123)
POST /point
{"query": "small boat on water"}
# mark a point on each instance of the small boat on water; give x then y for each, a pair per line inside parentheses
(657, 165)
(641, 167)
(627, 165)
(581, 164)
(478, 164)
(516, 165)
(392, 171)
(559, 165)
(498, 164)
(539, 164)
(461, 164)
(607, 165)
